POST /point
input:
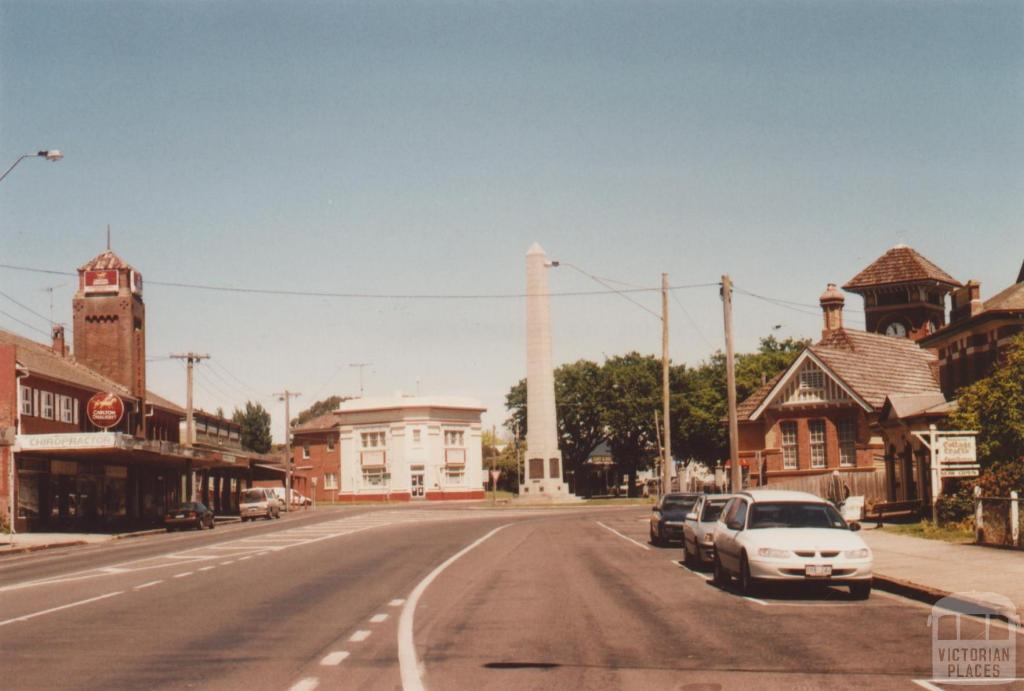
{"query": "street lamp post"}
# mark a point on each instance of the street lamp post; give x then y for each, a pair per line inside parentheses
(49, 155)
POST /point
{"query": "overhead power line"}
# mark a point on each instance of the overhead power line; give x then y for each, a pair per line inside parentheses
(369, 296)
(27, 308)
(24, 323)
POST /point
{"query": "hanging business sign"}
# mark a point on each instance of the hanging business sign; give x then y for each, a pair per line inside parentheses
(105, 410)
(100, 281)
(958, 456)
(135, 281)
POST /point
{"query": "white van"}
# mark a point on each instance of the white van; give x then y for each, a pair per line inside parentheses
(259, 502)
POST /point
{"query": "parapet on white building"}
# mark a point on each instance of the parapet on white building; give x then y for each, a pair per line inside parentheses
(405, 448)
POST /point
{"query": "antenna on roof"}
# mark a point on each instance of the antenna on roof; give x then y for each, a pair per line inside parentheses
(108, 237)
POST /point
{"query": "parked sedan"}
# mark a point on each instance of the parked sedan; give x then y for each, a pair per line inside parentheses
(765, 535)
(668, 515)
(191, 514)
(699, 529)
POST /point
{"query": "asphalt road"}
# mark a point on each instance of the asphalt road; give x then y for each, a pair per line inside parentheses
(371, 599)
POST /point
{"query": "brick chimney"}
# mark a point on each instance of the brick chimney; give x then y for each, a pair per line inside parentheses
(966, 302)
(832, 302)
(59, 347)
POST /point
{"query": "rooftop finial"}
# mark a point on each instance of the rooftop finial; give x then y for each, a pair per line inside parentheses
(108, 237)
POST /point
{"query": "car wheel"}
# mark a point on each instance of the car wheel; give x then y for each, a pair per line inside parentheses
(860, 591)
(721, 576)
(747, 584)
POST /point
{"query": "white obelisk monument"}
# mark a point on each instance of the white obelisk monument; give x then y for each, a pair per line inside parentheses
(542, 477)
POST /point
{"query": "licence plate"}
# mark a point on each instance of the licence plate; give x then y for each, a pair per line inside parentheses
(180, 515)
(817, 571)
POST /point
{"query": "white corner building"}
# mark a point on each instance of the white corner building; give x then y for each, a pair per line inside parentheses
(408, 448)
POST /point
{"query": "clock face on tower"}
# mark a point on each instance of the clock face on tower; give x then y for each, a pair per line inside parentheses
(896, 329)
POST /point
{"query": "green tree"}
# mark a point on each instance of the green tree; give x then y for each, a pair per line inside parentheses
(579, 407)
(995, 407)
(255, 423)
(319, 408)
(701, 404)
(633, 384)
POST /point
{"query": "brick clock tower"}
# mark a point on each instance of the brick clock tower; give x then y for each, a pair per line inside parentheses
(110, 326)
(904, 294)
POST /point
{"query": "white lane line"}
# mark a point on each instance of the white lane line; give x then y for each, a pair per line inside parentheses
(378, 618)
(182, 575)
(307, 684)
(754, 599)
(207, 568)
(624, 537)
(147, 585)
(335, 658)
(244, 558)
(225, 563)
(397, 602)
(684, 567)
(359, 636)
(926, 685)
(408, 661)
(57, 609)
(113, 569)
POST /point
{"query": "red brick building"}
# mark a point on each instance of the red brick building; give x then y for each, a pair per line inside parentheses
(977, 333)
(65, 473)
(316, 455)
(821, 414)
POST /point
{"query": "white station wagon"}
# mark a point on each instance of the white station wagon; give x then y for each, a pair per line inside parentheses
(770, 535)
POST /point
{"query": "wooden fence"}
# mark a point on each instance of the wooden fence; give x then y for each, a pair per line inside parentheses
(871, 485)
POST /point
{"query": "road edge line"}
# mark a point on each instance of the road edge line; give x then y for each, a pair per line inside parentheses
(408, 661)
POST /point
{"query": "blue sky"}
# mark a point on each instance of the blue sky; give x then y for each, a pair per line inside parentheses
(420, 148)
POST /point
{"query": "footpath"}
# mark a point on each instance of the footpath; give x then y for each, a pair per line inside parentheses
(31, 542)
(929, 570)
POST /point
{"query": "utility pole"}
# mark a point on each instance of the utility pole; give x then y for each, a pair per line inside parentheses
(666, 468)
(286, 396)
(736, 475)
(360, 365)
(190, 358)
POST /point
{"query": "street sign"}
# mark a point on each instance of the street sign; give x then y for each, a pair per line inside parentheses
(958, 457)
(495, 474)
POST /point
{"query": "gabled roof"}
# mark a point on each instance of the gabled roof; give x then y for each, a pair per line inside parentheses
(106, 260)
(907, 405)
(161, 402)
(42, 361)
(320, 423)
(901, 264)
(868, 366)
(1010, 299)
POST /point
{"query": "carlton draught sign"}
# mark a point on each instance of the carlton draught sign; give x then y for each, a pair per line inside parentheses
(105, 410)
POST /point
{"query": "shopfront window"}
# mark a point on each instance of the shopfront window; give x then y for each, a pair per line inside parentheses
(28, 495)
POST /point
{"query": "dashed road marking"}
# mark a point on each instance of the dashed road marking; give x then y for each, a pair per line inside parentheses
(359, 636)
(624, 537)
(147, 585)
(26, 617)
(378, 618)
(225, 563)
(307, 684)
(248, 556)
(397, 602)
(684, 567)
(207, 568)
(335, 658)
(182, 575)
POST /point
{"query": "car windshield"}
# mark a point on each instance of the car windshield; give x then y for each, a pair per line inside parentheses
(253, 495)
(712, 511)
(678, 504)
(794, 515)
(190, 506)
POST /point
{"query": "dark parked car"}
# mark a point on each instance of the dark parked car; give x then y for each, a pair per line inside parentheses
(190, 514)
(668, 516)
